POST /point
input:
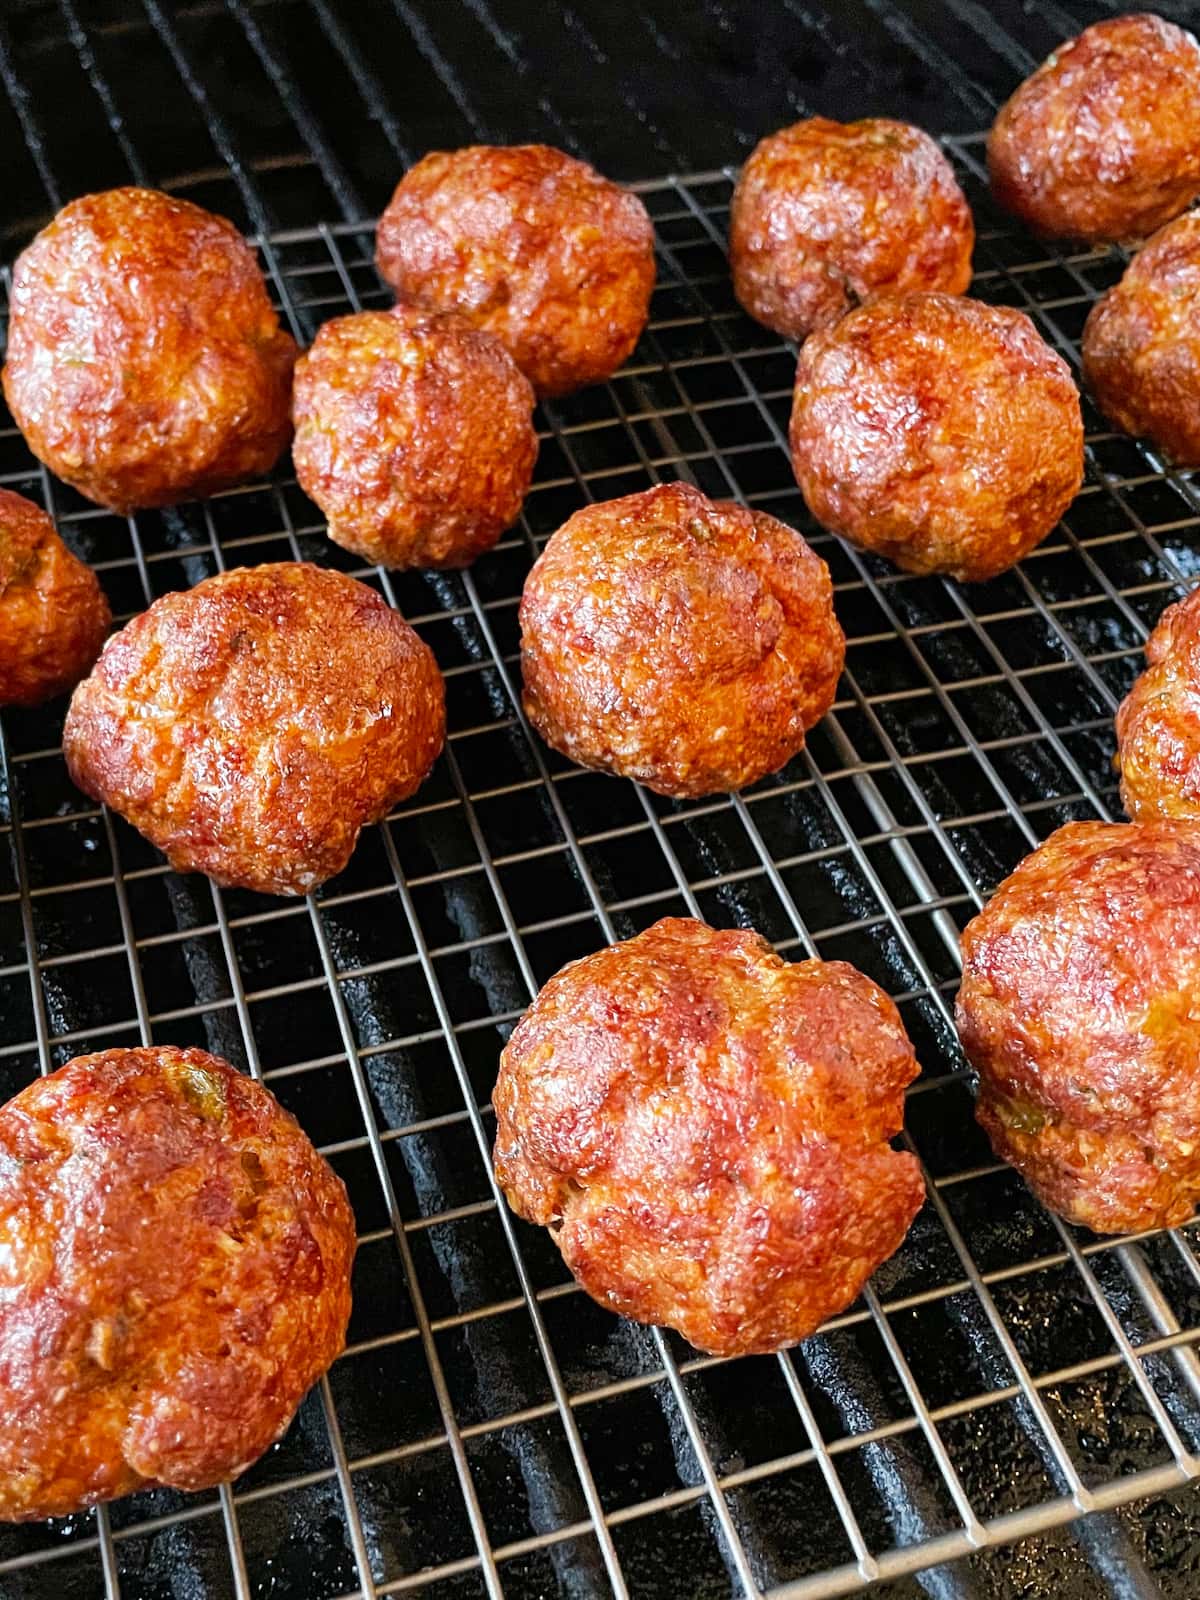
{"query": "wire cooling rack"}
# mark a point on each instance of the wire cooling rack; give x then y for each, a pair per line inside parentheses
(490, 1430)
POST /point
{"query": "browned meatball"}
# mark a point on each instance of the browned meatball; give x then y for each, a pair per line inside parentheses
(145, 361)
(1103, 141)
(1158, 723)
(175, 1275)
(1141, 344)
(251, 726)
(53, 614)
(827, 214)
(705, 1130)
(1078, 1009)
(936, 431)
(413, 435)
(684, 642)
(531, 245)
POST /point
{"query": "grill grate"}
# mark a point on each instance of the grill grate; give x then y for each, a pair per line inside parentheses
(489, 1430)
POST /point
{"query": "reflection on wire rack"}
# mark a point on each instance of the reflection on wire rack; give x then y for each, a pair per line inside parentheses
(490, 1430)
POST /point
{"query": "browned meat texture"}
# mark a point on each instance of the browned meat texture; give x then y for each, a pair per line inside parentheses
(827, 214)
(937, 431)
(251, 726)
(53, 613)
(1079, 1010)
(174, 1275)
(704, 1128)
(1103, 141)
(531, 245)
(684, 642)
(145, 362)
(413, 435)
(1141, 344)
(1158, 722)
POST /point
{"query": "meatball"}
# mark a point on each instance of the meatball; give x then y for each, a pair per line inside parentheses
(936, 431)
(413, 435)
(1158, 722)
(684, 642)
(1141, 344)
(145, 363)
(251, 726)
(705, 1130)
(53, 614)
(1103, 141)
(827, 214)
(1079, 1011)
(530, 245)
(175, 1276)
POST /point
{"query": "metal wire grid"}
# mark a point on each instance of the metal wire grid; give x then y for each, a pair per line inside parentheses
(488, 1429)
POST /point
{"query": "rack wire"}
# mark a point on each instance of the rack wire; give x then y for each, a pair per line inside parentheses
(489, 1430)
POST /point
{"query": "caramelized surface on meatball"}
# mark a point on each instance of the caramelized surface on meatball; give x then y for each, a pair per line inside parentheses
(1080, 1010)
(1141, 344)
(704, 1128)
(1103, 141)
(1158, 722)
(175, 1276)
(827, 214)
(684, 642)
(145, 362)
(53, 613)
(531, 245)
(937, 431)
(251, 726)
(413, 435)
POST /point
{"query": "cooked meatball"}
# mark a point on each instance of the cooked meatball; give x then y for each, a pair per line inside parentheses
(936, 431)
(684, 642)
(1158, 722)
(145, 361)
(1079, 1011)
(705, 1130)
(413, 435)
(1103, 141)
(827, 214)
(53, 614)
(530, 245)
(175, 1275)
(251, 726)
(1141, 344)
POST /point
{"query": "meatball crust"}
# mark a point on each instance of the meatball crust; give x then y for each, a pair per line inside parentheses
(53, 613)
(684, 642)
(1080, 1010)
(937, 431)
(827, 214)
(251, 726)
(1141, 344)
(704, 1128)
(1102, 143)
(146, 363)
(1158, 722)
(125, 1364)
(530, 245)
(414, 435)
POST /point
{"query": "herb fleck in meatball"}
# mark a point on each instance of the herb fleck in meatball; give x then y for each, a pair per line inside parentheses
(937, 431)
(531, 245)
(684, 642)
(145, 362)
(1103, 141)
(827, 214)
(705, 1130)
(53, 613)
(175, 1275)
(413, 435)
(1158, 723)
(251, 726)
